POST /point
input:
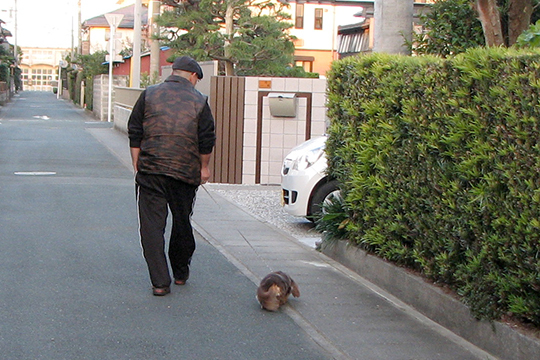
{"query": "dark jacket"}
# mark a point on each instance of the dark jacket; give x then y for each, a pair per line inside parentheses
(172, 125)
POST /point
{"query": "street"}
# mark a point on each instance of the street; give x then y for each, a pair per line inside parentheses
(75, 285)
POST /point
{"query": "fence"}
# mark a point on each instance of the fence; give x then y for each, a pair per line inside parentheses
(4, 92)
(227, 103)
(251, 142)
(101, 94)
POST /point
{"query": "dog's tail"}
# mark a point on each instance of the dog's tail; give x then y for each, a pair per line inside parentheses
(269, 298)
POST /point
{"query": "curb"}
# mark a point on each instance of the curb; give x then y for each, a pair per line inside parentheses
(496, 338)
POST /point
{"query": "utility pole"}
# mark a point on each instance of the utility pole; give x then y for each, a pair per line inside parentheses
(393, 19)
(72, 40)
(114, 20)
(15, 52)
(13, 15)
(229, 30)
(79, 28)
(135, 70)
(153, 12)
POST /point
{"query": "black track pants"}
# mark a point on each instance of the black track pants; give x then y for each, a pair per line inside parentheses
(156, 194)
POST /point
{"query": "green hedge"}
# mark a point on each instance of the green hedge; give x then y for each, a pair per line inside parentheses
(440, 166)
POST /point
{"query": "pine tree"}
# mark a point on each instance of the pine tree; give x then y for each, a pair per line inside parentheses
(246, 37)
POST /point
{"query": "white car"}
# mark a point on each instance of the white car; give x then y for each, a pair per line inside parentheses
(304, 182)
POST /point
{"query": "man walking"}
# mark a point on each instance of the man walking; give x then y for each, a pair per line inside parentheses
(171, 135)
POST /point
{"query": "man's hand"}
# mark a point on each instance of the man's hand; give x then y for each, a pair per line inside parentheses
(205, 169)
(135, 158)
(205, 175)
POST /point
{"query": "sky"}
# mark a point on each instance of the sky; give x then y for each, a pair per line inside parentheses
(49, 23)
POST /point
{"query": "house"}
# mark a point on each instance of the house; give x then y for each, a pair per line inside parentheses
(95, 31)
(354, 39)
(125, 67)
(315, 26)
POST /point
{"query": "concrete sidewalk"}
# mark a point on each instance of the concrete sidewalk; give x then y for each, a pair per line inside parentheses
(344, 313)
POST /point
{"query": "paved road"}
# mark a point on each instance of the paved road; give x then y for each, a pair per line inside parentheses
(74, 281)
(75, 284)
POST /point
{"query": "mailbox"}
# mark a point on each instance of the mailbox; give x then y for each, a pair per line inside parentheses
(282, 104)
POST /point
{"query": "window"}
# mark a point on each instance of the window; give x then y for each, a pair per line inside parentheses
(306, 65)
(318, 19)
(305, 62)
(299, 22)
(353, 43)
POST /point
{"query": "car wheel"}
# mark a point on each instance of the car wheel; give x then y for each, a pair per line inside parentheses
(323, 193)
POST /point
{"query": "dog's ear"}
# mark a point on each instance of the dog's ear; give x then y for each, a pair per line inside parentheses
(294, 289)
(269, 299)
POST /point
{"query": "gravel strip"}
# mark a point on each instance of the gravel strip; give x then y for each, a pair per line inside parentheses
(264, 202)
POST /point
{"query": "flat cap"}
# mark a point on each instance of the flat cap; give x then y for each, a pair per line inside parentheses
(187, 64)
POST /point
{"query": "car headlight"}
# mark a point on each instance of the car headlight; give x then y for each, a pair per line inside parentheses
(304, 155)
(307, 159)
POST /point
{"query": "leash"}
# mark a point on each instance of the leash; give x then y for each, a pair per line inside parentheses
(208, 192)
(255, 251)
(242, 235)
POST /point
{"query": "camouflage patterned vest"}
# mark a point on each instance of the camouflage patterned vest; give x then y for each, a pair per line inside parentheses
(170, 145)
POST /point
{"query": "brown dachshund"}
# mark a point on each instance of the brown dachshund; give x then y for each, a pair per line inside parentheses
(275, 289)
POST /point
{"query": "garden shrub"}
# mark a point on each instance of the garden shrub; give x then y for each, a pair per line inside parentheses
(439, 160)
